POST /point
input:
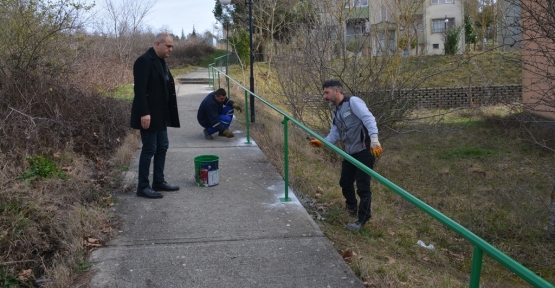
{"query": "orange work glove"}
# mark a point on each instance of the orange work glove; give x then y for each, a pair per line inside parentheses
(375, 147)
(315, 143)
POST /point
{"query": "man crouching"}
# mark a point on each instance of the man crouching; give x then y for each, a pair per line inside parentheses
(216, 113)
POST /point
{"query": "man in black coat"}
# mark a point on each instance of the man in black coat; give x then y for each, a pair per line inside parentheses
(154, 109)
(215, 114)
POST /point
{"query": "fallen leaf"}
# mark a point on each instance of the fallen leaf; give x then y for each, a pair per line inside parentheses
(319, 190)
(390, 232)
(57, 154)
(25, 275)
(459, 257)
(390, 261)
(318, 195)
(107, 229)
(348, 253)
(92, 242)
(321, 207)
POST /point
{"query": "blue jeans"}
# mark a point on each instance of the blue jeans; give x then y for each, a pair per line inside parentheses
(225, 119)
(349, 174)
(155, 143)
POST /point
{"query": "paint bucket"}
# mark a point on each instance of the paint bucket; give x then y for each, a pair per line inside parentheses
(206, 170)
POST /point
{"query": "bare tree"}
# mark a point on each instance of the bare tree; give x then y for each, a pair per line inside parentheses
(322, 50)
(124, 22)
(408, 15)
(483, 13)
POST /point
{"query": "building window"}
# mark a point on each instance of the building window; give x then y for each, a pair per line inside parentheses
(356, 27)
(362, 3)
(385, 43)
(383, 14)
(442, 1)
(436, 46)
(438, 25)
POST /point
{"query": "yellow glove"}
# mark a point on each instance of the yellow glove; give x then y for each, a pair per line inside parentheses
(375, 147)
(316, 143)
(228, 134)
(237, 107)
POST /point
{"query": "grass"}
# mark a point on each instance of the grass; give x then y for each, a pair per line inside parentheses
(475, 168)
(126, 91)
(478, 69)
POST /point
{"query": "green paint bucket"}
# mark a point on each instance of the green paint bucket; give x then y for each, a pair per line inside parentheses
(206, 170)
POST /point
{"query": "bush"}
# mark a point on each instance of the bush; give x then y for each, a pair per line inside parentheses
(190, 53)
(453, 37)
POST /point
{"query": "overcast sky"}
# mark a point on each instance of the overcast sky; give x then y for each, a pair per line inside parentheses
(177, 15)
(183, 14)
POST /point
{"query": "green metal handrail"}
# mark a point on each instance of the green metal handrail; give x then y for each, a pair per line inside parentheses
(480, 245)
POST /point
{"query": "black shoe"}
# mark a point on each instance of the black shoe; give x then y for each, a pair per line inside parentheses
(207, 135)
(164, 186)
(147, 192)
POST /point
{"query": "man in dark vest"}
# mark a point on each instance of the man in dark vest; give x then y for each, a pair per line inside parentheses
(355, 126)
(154, 109)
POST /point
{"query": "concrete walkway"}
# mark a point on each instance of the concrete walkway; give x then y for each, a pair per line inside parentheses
(235, 234)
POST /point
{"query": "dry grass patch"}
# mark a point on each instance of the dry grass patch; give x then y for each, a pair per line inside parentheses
(475, 166)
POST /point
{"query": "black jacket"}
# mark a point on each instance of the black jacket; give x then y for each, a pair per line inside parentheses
(154, 95)
(210, 110)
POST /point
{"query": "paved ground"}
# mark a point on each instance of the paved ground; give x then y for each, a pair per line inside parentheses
(235, 234)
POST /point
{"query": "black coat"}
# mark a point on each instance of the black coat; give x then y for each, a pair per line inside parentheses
(208, 114)
(154, 95)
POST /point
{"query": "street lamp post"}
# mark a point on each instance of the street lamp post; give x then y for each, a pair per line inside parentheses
(445, 32)
(226, 46)
(251, 58)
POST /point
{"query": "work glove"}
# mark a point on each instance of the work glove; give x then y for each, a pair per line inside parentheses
(237, 107)
(315, 143)
(375, 147)
(228, 134)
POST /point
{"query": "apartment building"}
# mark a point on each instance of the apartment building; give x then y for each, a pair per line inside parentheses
(413, 27)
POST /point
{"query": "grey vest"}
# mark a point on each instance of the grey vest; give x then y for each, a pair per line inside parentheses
(352, 132)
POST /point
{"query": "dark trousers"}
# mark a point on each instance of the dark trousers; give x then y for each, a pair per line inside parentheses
(349, 174)
(155, 144)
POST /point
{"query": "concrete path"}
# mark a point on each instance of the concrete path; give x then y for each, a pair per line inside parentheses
(235, 234)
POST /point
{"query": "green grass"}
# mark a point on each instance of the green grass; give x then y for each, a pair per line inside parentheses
(498, 68)
(209, 59)
(466, 153)
(126, 91)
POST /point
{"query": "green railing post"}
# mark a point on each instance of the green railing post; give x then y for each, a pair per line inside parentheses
(247, 117)
(214, 77)
(228, 86)
(476, 269)
(219, 79)
(285, 159)
(209, 74)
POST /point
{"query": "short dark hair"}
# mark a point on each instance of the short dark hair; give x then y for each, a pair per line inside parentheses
(333, 83)
(220, 92)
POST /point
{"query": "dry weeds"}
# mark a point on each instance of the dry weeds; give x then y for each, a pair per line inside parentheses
(476, 167)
